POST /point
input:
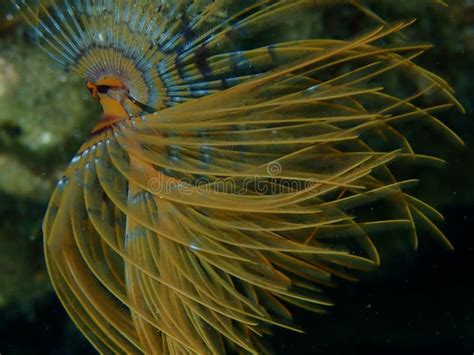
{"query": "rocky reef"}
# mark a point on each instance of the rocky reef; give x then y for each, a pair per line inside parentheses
(44, 114)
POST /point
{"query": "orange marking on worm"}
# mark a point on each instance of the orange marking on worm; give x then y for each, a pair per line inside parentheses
(111, 93)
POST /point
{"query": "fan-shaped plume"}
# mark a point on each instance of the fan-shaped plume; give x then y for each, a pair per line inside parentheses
(222, 184)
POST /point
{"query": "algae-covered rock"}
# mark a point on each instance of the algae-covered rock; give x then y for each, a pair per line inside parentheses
(23, 279)
(8, 17)
(44, 115)
(29, 186)
(47, 105)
